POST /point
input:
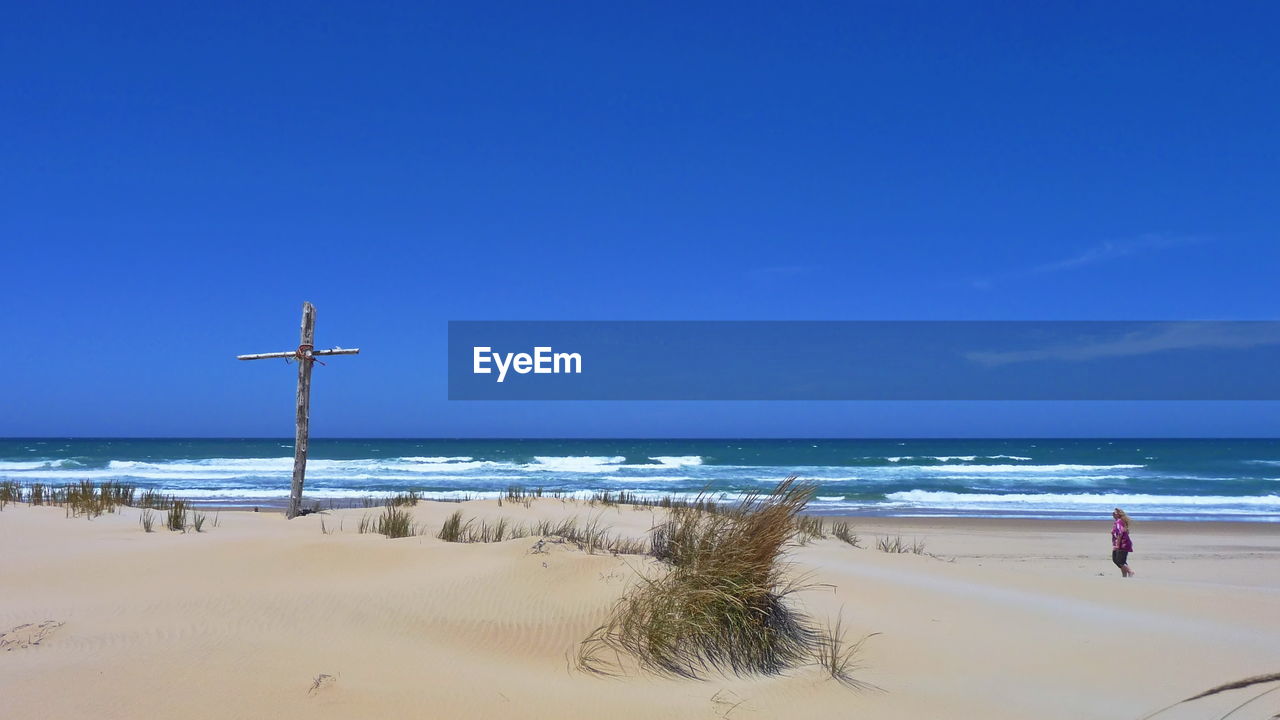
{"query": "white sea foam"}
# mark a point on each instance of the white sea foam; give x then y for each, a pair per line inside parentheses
(677, 460)
(1018, 469)
(952, 458)
(576, 463)
(935, 498)
(230, 495)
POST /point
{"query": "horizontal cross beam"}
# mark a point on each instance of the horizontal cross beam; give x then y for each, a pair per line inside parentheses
(294, 353)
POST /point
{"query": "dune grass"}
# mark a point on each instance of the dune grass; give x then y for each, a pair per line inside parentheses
(839, 658)
(451, 531)
(897, 546)
(84, 498)
(843, 531)
(810, 528)
(1227, 687)
(404, 499)
(394, 522)
(90, 500)
(589, 536)
(722, 605)
(176, 516)
(154, 500)
(10, 492)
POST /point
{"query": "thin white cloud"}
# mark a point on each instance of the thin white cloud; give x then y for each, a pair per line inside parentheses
(1101, 253)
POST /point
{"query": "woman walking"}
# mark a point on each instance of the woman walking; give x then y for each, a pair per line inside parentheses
(1121, 545)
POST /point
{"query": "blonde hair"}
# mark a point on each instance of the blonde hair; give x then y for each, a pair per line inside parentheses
(1124, 517)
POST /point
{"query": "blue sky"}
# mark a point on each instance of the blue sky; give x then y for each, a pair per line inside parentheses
(178, 179)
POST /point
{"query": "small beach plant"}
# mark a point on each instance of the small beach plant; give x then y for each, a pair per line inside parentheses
(843, 530)
(897, 546)
(176, 516)
(810, 528)
(722, 605)
(840, 658)
(395, 522)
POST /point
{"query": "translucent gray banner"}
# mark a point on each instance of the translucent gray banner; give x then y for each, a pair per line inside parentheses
(863, 360)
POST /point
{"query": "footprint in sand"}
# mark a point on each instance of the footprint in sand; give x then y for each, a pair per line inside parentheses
(24, 636)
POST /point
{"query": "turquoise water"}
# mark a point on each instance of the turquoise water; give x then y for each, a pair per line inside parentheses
(1175, 479)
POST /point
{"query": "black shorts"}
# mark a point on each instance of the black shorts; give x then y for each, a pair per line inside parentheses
(1120, 557)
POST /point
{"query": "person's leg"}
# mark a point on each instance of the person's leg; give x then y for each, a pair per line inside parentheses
(1123, 561)
(1115, 558)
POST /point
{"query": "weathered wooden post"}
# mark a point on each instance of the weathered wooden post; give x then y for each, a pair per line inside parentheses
(305, 356)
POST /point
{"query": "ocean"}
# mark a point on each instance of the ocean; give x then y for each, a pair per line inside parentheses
(1211, 479)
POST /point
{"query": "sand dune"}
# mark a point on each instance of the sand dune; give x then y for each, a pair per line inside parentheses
(264, 617)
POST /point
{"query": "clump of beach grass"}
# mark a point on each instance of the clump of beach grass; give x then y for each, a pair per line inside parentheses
(451, 531)
(154, 500)
(176, 516)
(520, 496)
(843, 530)
(10, 492)
(197, 520)
(394, 522)
(148, 520)
(723, 603)
(839, 658)
(810, 528)
(403, 499)
(589, 536)
(897, 546)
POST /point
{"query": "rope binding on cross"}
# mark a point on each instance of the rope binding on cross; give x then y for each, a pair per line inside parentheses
(305, 352)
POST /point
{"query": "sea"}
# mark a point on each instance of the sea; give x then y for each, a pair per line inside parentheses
(1174, 479)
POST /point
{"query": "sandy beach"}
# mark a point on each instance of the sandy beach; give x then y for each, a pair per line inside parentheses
(265, 617)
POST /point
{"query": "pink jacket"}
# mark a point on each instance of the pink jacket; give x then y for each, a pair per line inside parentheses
(1120, 537)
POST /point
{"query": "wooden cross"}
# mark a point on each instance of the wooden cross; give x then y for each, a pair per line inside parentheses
(305, 355)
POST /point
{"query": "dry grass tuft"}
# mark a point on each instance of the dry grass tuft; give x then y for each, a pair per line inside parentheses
(896, 545)
(10, 492)
(840, 659)
(394, 522)
(1226, 687)
(590, 537)
(722, 605)
(409, 499)
(843, 530)
(148, 520)
(154, 500)
(176, 516)
(810, 528)
(451, 531)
